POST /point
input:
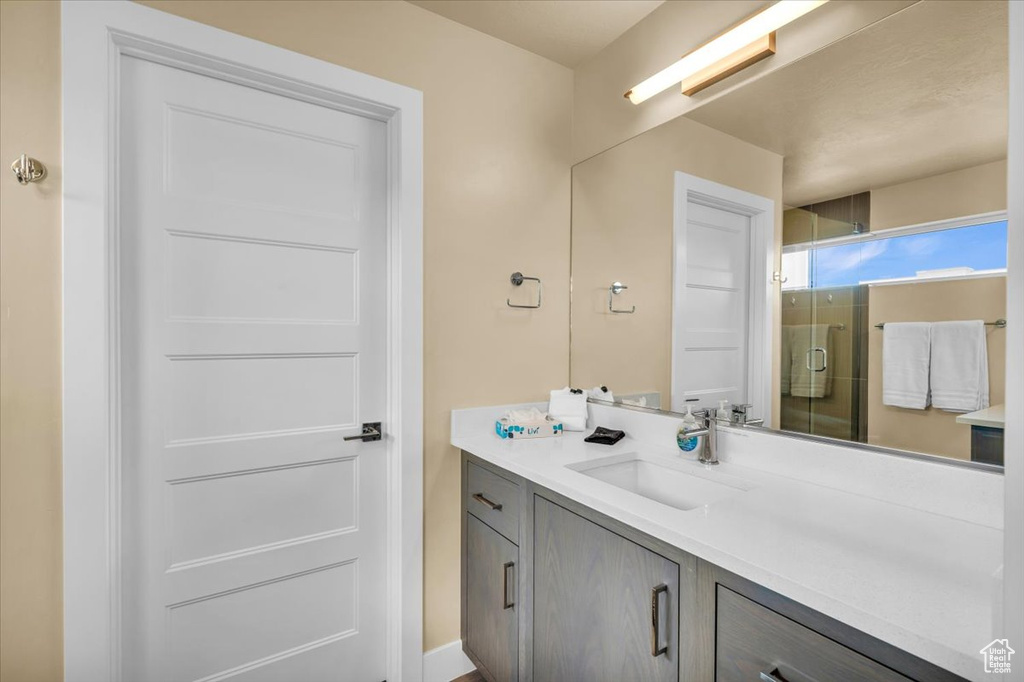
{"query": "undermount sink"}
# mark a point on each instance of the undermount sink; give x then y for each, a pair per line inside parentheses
(680, 484)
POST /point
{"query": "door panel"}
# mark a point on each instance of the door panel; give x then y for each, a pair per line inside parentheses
(252, 300)
(593, 607)
(711, 351)
(215, 278)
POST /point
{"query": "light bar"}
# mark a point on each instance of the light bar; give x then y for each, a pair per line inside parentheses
(706, 59)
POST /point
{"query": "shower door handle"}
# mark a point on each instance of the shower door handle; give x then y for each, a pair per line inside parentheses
(824, 359)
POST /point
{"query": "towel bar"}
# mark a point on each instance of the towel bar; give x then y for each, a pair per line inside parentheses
(998, 324)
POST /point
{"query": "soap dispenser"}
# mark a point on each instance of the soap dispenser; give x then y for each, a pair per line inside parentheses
(723, 411)
(686, 442)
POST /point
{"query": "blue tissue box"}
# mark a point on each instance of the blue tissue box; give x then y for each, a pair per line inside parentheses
(545, 429)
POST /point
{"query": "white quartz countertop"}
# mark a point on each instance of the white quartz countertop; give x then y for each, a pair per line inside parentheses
(919, 580)
(992, 417)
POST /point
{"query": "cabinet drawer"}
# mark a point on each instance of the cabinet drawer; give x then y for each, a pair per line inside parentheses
(751, 640)
(494, 500)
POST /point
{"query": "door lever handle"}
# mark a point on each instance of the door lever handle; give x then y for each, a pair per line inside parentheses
(370, 432)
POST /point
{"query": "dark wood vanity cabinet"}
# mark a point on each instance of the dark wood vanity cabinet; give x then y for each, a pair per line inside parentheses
(553, 591)
(754, 642)
(492, 624)
(605, 608)
(491, 599)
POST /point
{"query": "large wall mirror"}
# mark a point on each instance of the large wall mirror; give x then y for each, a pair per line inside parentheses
(826, 243)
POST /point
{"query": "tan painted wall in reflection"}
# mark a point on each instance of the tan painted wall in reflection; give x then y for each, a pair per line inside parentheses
(622, 231)
(974, 190)
(932, 431)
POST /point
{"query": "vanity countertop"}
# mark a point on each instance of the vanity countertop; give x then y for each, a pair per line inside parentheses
(919, 580)
(993, 417)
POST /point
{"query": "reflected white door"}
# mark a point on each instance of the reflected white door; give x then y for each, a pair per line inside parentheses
(252, 341)
(710, 352)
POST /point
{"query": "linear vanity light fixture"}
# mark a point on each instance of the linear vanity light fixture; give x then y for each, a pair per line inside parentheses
(744, 44)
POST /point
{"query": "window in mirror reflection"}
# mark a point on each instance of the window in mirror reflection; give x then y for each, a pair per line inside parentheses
(972, 250)
(836, 291)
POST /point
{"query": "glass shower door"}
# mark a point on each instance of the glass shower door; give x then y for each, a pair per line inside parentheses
(823, 336)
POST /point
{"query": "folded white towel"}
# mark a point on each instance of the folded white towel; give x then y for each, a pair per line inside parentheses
(604, 395)
(569, 408)
(809, 345)
(959, 374)
(906, 347)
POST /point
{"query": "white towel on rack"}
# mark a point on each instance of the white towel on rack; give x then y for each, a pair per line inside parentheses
(906, 347)
(810, 361)
(959, 372)
(569, 408)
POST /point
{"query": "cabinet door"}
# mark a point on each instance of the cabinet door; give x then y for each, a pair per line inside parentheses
(605, 608)
(492, 623)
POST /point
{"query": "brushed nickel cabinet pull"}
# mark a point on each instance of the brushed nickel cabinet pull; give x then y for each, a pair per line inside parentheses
(506, 603)
(773, 676)
(479, 497)
(656, 620)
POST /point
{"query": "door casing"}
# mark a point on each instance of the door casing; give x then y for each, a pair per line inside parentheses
(761, 285)
(95, 36)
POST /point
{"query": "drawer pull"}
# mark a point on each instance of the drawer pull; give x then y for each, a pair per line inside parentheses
(656, 620)
(773, 676)
(479, 497)
(506, 602)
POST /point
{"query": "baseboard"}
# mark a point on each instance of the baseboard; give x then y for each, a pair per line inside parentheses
(446, 662)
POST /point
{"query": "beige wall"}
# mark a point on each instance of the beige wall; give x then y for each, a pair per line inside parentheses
(497, 127)
(622, 230)
(966, 192)
(932, 431)
(603, 117)
(30, 465)
(970, 191)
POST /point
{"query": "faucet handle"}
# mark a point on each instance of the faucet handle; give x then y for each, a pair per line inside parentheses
(739, 413)
(704, 413)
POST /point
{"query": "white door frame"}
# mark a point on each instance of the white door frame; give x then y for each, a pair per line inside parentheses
(96, 35)
(761, 212)
(1010, 604)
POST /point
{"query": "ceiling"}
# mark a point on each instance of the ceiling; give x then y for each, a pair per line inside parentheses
(920, 93)
(567, 32)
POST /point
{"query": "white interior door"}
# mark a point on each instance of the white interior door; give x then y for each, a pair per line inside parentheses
(710, 356)
(252, 340)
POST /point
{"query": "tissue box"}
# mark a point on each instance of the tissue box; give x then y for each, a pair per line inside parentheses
(519, 430)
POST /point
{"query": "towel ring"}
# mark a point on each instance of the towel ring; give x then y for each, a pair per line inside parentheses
(615, 289)
(517, 280)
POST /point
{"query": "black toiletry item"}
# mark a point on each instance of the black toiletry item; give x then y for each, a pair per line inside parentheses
(605, 436)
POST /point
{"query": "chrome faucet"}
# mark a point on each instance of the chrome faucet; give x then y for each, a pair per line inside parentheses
(709, 451)
(738, 416)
